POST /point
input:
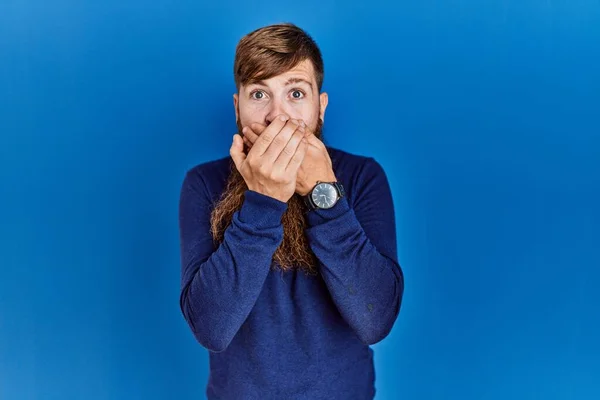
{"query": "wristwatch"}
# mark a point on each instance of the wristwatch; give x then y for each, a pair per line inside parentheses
(324, 195)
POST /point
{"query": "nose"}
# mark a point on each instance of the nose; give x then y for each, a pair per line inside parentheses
(277, 107)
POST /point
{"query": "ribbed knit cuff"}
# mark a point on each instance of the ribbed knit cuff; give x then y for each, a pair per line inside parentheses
(320, 216)
(261, 210)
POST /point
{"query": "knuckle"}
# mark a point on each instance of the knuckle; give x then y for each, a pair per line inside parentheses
(263, 170)
(267, 137)
(275, 176)
(278, 141)
(297, 156)
(296, 136)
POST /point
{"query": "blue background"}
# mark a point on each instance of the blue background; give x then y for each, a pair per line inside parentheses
(485, 116)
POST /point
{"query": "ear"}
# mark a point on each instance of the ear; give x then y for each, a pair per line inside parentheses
(324, 98)
(235, 106)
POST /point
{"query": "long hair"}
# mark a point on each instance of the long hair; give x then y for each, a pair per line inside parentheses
(262, 54)
(294, 251)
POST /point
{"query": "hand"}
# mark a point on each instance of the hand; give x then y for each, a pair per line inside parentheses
(316, 165)
(271, 166)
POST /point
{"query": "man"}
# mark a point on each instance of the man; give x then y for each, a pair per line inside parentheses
(288, 246)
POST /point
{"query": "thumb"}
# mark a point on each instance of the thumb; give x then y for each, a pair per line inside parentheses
(257, 128)
(237, 151)
(313, 140)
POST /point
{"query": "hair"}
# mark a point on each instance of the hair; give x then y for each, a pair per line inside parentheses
(272, 50)
(294, 252)
(263, 54)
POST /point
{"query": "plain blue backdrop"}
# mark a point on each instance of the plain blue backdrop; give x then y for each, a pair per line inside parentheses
(484, 114)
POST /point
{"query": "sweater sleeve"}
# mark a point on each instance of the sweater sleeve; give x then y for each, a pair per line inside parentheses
(220, 287)
(356, 248)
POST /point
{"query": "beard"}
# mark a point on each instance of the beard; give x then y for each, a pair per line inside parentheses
(294, 251)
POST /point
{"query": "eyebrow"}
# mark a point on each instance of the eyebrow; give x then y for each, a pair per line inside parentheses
(287, 83)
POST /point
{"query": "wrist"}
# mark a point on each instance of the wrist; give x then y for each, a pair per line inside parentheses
(325, 195)
(326, 178)
(268, 193)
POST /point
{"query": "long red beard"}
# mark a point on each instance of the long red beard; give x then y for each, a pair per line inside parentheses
(294, 251)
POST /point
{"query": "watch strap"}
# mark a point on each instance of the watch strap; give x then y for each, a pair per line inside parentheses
(340, 189)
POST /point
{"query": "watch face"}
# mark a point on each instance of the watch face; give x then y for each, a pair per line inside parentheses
(324, 195)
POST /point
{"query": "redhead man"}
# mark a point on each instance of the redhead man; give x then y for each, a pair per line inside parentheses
(289, 265)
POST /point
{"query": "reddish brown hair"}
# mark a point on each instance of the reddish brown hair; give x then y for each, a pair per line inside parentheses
(272, 50)
(263, 54)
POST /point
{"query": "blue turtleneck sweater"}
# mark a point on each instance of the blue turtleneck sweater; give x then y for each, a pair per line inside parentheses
(289, 335)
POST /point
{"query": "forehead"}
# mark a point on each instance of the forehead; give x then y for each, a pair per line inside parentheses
(303, 70)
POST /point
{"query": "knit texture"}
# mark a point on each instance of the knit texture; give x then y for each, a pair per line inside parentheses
(288, 335)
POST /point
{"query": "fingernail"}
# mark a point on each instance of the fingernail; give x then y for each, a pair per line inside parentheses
(283, 117)
(302, 123)
(295, 122)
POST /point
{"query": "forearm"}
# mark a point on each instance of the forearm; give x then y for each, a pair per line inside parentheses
(225, 287)
(220, 288)
(365, 285)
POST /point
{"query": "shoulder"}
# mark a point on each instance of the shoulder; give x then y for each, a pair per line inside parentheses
(209, 169)
(209, 176)
(355, 171)
(352, 164)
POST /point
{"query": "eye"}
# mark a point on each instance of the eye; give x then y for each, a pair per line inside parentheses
(297, 94)
(259, 95)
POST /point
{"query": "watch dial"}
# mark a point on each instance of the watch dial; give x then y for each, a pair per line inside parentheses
(324, 195)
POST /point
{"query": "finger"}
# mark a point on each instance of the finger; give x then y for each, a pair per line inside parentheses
(269, 134)
(313, 140)
(258, 128)
(246, 141)
(237, 151)
(279, 141)
(289, 150)
(250, 134)
(298, 157)
(247, 148)
(310, 135)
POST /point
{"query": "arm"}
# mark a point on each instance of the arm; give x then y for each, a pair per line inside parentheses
(357, 252)
(220, 287)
